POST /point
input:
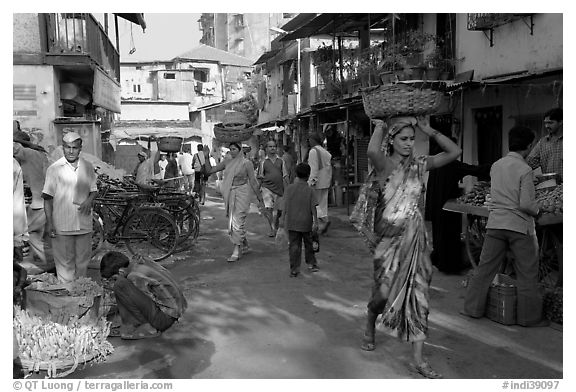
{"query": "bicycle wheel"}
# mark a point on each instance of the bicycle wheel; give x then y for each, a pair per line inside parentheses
(188, 223)
(152, 233)
(475, 231)
(186, 214)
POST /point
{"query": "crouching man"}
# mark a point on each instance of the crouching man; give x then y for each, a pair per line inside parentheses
(148, 298)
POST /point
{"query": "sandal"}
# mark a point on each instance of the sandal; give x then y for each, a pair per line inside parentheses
(368, 343)
(114, 332)
(233, 258)
(426, 370)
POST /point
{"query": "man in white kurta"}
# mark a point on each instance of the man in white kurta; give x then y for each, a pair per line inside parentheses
(69, 190)
(320, 178)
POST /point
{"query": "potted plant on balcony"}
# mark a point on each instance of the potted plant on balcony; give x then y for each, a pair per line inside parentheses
(404, 56)
(434, 63)
(439, 67)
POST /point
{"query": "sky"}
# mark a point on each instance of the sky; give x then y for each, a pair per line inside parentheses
(166, 36)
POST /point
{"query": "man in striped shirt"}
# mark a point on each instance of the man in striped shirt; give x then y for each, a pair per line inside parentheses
(68, 193)
(547, 154)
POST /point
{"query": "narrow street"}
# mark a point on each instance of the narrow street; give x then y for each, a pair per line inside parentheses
(250, 320)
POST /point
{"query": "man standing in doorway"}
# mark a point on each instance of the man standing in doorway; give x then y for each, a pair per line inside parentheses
(69, 190)
(320, 178)
(273, 177)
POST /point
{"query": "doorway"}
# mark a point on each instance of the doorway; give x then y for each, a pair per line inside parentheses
(488, 134)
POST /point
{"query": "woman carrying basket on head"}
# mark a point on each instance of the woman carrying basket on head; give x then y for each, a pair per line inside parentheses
(235, 188)
(387, 214)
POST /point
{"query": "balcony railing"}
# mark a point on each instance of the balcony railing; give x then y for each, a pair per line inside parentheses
(81, 34)
(490, 21)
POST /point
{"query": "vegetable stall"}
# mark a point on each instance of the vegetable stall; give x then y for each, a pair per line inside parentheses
(475, 215)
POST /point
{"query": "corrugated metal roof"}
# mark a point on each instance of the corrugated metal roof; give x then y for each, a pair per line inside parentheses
(205, 52)
(297, 21)
(266, 56)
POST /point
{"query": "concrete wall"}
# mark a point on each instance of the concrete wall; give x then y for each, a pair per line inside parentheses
(26, 33)
(273, 107)
(517, 100)
(37, 106)
(514, 48)
(180, 89)
(154, 111)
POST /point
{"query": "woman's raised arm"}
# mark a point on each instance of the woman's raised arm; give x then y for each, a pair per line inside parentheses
(451, 150)
(374, 152)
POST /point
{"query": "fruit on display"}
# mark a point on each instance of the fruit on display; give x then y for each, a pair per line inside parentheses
(477, 196)
(46, 345)
(550, 200)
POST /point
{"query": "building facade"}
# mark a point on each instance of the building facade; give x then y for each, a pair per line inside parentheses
(66, 75)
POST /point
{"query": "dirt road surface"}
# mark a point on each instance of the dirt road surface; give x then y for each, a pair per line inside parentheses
(250, 320)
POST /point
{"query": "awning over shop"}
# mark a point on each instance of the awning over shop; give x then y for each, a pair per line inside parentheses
(339, 24)
(139, 130)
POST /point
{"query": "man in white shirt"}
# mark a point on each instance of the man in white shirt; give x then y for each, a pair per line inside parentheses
(320, 178)
(68, 193)
(163, 163)
(185, 162)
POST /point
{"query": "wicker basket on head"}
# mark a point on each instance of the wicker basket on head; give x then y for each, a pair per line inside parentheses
(400, 99)
(236, 120)
(232, 135)
(169, 143)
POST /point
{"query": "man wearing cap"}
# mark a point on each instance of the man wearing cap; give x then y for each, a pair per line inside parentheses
(320, 177)
(148, 170)
(69, 190)
(34, 163)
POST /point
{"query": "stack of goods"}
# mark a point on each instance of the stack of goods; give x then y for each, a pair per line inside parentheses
(234, 128)
(477, 196)
(553, 305)
(108, 185)
(46, 345)
(550, 200)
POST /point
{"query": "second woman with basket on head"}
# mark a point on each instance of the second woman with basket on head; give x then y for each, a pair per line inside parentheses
(238, 179)
(387, 213)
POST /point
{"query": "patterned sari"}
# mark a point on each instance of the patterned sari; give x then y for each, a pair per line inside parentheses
(392, 224)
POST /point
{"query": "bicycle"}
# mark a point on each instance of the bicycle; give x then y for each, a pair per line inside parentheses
(146, 228)
(183, 208)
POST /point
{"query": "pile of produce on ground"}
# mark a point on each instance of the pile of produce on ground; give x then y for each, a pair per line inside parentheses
(50, 346)
(477, 196)
(81, 287)
(553, 305)
(550, 200)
